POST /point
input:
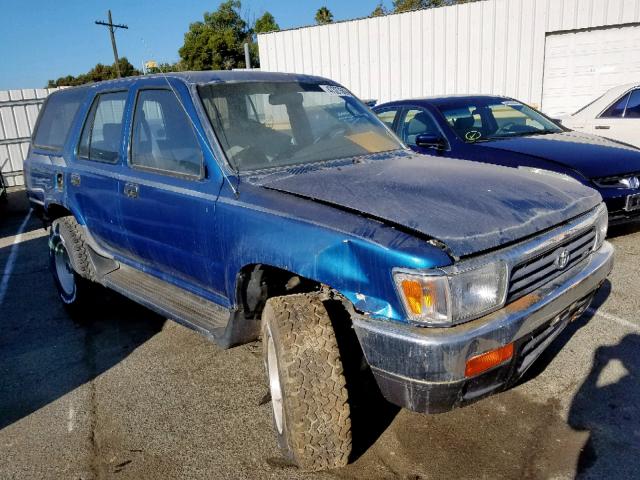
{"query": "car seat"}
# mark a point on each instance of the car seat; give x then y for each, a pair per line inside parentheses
(462, 125)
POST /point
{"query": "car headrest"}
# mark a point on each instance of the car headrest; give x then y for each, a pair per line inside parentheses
(421, 123)
(463, 124)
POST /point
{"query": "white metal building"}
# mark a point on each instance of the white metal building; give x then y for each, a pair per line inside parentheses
(554, 54)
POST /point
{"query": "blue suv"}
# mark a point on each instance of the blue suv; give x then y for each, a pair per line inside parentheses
(252, 204)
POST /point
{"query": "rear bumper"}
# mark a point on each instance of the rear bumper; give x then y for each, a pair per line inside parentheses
(422, 369)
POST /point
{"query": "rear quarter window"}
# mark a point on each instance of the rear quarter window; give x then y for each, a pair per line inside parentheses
(56, 119)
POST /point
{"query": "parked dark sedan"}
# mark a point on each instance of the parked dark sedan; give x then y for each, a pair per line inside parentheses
(504, 131)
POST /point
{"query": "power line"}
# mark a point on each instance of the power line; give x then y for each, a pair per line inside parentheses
(112, 28)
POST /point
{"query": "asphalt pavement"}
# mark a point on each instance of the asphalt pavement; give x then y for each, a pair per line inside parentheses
(123, 393)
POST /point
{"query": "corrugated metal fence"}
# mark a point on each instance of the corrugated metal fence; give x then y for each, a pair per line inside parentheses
(18, 113)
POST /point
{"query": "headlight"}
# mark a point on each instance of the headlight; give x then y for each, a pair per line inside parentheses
(629, 182)
(439, 299)
(602, 225)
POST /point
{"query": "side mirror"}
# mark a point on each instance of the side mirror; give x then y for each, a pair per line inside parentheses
(429, 140)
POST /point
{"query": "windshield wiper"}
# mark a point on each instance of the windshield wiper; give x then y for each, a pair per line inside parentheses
(520, 134)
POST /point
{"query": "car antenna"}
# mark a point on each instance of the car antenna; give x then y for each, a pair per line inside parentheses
(233, 187)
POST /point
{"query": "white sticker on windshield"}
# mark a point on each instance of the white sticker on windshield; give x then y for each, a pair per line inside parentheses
(336, 90)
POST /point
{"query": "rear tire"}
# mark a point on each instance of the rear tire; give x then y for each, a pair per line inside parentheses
(73, 272)
(308, 388)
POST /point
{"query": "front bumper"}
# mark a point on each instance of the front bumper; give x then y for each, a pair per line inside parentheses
(618, 215)
(423, 369)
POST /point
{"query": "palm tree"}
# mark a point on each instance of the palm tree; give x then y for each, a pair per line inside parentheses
(324, 16)
(379, 11)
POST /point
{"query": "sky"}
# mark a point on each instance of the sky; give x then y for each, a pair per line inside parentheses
(44, 39)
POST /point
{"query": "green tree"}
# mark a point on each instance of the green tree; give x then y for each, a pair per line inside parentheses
(406, 5)
(167, 67)
(266, 23)
(379, 11)
(217, 42)
(96, 74)
(324, 16)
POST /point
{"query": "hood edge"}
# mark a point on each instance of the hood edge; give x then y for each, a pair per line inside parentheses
(427, 238)
(431, 240)
(544, 159)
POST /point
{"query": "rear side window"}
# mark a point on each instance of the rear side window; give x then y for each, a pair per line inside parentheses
(388, 117)
(163, 138)
(417, 122)
(633, 107)
(102, 131)
(56, 118)
(617, 109)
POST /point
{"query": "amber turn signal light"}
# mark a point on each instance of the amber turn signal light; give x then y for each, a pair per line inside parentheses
(413, 293)
(485, 361)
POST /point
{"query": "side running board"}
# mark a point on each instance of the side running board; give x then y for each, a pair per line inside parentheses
(166, 299)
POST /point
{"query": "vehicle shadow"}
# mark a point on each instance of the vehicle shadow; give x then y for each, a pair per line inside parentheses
(625, 229)
(371, 413)
(606, 406)
(44, 352)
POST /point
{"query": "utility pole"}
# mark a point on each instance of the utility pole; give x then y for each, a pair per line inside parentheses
(247, 57)
(112, 26)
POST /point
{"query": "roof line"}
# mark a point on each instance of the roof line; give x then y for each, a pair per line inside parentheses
(302, 27)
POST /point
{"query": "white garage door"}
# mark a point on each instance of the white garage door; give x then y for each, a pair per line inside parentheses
(580, 66)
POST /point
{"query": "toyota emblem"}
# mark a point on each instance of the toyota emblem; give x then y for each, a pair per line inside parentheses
(562, 258)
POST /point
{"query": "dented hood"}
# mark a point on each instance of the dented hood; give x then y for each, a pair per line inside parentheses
(469, 206)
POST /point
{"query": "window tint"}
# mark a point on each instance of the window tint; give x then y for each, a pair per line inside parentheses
(388, 117)
(56, 118)
(489, 117)
(163, 138)
(416, 122)
(507, 117)
(101, 134)
(464, 119)
(633, 107)
(617, 109)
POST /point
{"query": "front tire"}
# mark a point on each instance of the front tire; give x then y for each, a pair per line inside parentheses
(69, 263)
(307, 384)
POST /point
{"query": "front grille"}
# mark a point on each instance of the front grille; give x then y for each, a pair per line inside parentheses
(536, 271)
(534, 344)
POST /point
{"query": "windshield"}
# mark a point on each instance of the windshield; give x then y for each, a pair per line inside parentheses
(275, 124)
(493, 118)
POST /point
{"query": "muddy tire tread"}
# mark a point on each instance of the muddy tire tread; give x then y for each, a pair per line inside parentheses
(312, 378)
(78, 249)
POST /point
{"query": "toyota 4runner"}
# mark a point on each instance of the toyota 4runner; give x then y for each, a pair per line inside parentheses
(253, 204)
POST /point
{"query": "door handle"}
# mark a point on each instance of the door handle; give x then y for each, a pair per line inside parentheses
(75, 179)
(602, 127)
(131, 190)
